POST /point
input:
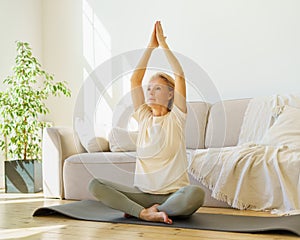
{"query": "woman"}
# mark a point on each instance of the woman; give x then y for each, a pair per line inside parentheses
(161, 185)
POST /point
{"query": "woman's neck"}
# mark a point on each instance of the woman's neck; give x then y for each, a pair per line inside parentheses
(159, 111)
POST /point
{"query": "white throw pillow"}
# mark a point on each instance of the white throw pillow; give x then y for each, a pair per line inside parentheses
(87, 139)
(285, 130)
(121, 140)
(97, 144)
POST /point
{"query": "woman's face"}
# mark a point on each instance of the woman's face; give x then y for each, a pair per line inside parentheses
(158, 93)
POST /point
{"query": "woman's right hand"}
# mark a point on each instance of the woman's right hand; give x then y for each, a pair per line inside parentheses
(153, 40)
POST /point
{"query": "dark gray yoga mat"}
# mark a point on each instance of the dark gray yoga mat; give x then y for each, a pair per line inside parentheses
(96, 211)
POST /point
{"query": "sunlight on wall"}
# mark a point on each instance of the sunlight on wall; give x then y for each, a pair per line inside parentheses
(121, 105)
(96, 50)
(118, 95)
(96, 39)
(112, 97)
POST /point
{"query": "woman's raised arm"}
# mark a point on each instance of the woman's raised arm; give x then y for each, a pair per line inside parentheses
(137, 93)
(180, 85)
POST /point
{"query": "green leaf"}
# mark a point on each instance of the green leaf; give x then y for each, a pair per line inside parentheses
(22, 101)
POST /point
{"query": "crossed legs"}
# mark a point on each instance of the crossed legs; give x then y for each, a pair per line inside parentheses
(149, 207)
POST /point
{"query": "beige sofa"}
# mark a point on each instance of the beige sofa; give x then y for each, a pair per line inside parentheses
(68, 167)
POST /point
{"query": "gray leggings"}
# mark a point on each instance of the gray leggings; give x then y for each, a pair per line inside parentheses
(131, 200)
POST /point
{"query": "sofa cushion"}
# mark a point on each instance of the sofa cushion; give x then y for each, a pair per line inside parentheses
(197, 113)
(97, 144)
(285, 130)
(224, 123)
(87, 138)
(121, 140)
(80, 169)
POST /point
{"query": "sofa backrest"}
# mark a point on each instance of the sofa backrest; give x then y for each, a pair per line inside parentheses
(207, 125)
(224, 123)
(196, 124)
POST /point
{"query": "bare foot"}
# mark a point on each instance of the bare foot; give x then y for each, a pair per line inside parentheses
(153, 215)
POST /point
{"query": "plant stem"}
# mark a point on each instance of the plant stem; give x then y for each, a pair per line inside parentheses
(25, 143)
(5, 151)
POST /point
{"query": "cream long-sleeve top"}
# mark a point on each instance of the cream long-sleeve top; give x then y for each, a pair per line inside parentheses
(161, 164)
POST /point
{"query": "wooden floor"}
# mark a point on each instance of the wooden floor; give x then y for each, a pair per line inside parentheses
(16, 222)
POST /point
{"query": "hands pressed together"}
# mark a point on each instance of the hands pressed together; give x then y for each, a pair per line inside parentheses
(157, 37)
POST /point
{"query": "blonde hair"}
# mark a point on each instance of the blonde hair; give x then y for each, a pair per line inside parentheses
(170, 82)
(166, 77)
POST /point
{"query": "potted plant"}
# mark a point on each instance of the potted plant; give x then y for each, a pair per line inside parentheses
(21, 105)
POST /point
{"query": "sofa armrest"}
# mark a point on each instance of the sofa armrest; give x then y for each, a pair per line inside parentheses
(58, 144)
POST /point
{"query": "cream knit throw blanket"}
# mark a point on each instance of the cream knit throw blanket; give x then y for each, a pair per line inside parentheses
(255, 175)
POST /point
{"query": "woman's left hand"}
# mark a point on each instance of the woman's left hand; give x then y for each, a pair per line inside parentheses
(160, 35)
(153, 40)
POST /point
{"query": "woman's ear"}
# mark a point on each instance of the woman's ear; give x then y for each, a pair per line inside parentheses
(171, 95)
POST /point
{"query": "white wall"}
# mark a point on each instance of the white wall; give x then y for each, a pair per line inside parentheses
(248, 48)
(19, 20)
(62, 52)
